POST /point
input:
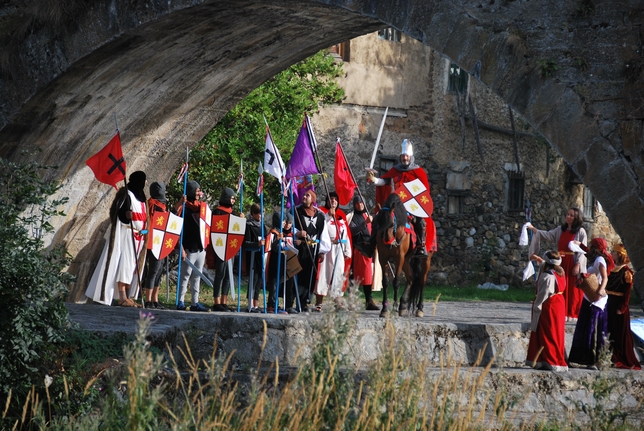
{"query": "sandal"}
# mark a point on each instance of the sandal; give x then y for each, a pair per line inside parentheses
(127, 302)
(318, 308)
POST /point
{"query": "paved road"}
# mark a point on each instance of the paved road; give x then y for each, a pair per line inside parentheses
(100, 318)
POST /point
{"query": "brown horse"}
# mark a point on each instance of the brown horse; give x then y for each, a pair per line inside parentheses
(394, 246)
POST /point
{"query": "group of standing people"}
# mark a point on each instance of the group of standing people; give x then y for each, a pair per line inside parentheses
(321, 236)
(121, 264)
(559, 299)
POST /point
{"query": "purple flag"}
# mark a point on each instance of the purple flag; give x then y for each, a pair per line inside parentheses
(303, 160)
(300, 186)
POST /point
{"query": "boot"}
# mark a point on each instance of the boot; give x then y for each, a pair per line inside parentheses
(370, 306)
(419, 226)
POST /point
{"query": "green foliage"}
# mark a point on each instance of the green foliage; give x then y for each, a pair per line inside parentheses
(81, 357)
(33, 283)
(585, 7)
(600, 417)
(399, 390)
(580, 63)
(239, 136)
(547, 67)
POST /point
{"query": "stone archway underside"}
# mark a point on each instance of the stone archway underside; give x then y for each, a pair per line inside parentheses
(171, 70)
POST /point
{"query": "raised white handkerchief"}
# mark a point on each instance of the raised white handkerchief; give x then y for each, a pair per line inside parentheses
(575, 248)
(528, 271)
(523, 239)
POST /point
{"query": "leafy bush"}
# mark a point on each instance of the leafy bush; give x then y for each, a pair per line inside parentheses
(239, 135)
(33, 283)
(547, 67)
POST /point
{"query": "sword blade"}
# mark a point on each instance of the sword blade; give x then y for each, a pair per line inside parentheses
(194, 268)
(375, 148)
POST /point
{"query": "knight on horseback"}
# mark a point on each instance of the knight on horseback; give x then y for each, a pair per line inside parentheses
(405, 171)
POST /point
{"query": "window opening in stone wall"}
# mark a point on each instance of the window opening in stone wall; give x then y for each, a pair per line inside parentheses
(455, 201)
(385, 163)
(516, 182)
(390, 34)
(457, 81)
(589, 205)
(341, 51)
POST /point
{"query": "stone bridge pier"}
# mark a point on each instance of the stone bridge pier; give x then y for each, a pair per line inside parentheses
(171, 69)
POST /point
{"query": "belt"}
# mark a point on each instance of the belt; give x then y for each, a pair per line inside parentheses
(610, 292)
(567, 253)
(138, 234)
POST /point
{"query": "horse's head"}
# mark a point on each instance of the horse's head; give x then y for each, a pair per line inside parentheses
(391, 220)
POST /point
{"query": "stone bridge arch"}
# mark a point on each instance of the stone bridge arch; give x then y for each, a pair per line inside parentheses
(171, 70)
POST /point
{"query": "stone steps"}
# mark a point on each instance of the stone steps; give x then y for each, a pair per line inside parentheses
(450, 339)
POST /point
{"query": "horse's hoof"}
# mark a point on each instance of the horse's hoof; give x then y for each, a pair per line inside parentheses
(384, 312)
(419, 313)
(403, 312)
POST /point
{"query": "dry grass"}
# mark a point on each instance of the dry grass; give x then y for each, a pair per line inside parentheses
(324, 393)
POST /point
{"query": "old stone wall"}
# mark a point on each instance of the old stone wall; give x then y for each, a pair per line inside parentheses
(478, 232)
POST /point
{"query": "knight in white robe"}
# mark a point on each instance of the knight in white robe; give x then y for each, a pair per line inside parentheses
(116, 275)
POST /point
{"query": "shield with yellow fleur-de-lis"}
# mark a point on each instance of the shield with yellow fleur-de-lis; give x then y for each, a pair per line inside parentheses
(416, 198)
(166, 229)
(227, 235)
(205, 215)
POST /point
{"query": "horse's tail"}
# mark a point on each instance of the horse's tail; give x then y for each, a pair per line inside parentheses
(418, 284)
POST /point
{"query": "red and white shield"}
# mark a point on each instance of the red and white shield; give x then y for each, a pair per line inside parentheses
(166, 229)
(205, 215)
(416, 198)
(227, 235)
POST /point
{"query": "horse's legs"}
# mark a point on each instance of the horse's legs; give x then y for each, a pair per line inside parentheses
(385, 283)
(396, 284)
(422, 279)
(404, 266)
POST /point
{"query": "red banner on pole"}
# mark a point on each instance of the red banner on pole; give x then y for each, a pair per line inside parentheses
(108, 164)
(342, 178)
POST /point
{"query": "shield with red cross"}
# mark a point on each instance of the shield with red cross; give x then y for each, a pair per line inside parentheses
(227, 235)
(166, 230)
(205, 215)
(416, 198)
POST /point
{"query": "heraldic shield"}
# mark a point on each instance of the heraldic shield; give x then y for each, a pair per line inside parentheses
(227, 235)
(416, 198)
(166, 229)
(205, 215)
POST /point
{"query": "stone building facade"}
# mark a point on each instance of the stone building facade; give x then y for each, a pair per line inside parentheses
(471, 158)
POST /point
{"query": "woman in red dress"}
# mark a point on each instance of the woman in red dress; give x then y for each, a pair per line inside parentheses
(572, 263)
(547, 349)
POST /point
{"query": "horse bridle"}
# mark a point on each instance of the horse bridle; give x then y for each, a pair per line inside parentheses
(393, 242)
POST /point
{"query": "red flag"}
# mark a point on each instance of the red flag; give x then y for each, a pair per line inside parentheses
(108, 164)
(344, 184)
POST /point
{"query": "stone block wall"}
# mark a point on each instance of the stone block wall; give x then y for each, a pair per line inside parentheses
(478, 237)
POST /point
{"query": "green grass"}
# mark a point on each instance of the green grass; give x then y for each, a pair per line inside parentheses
(447, 293)
(472, 293)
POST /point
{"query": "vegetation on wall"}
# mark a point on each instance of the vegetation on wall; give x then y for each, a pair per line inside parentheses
(33, 283)
(547, 67)
(240, 135)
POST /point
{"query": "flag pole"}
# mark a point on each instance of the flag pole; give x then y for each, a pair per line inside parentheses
(282, 191)
(143, 232)
(239, 263)
(279, 251)
(260, 183)
(297, 287)
(183, 217)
